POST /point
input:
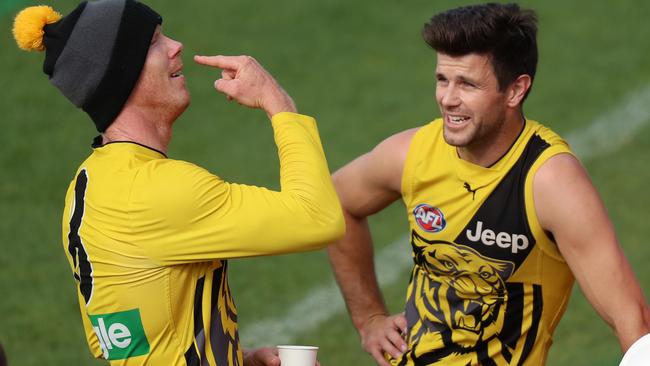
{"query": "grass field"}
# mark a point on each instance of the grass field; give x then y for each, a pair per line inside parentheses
(362, 69)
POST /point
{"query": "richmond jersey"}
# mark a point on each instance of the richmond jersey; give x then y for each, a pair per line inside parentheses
(147, 239)
(488, 285)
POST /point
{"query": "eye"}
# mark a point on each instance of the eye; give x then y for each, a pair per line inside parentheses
(448, 264)
(468, 85)
(485, 275)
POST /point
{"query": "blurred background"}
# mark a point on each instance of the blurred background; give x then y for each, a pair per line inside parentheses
(361, 68)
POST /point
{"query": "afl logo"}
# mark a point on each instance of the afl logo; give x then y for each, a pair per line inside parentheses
(429, 218)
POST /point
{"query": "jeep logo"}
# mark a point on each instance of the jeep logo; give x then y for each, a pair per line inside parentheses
(121, 334)
(515, 242)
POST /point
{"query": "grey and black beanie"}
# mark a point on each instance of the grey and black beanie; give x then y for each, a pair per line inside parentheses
(95, 54)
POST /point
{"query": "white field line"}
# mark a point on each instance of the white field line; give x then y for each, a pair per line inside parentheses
(607, 133)
(613, 129)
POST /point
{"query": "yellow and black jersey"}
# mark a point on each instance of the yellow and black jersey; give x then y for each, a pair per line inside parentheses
(488, 285)
(147, 239)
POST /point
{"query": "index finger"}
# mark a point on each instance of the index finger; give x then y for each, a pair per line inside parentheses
(220, 61)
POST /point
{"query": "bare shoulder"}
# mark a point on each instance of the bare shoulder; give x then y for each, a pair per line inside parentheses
(388, 158)
(373, 180)
(397, 145)
(564, 193)
(562, 168)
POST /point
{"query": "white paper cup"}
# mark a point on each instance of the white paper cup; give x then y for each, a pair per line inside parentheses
(297, 355)
(638, 354)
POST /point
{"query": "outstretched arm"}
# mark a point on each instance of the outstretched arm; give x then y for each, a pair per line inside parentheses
(569, 207)
(366, 186)
(192, 215)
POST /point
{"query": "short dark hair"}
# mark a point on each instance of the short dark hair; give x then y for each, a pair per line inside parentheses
(505, 33)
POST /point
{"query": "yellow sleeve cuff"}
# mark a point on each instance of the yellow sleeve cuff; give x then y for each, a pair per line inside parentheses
(289, 117)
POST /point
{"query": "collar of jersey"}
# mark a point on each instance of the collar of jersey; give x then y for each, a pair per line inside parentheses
(128, 146)
(482, 176)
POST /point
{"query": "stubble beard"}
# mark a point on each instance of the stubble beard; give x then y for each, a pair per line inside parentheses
(463, 139)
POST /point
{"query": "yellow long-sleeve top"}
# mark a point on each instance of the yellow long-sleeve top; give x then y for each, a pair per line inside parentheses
(147, 239)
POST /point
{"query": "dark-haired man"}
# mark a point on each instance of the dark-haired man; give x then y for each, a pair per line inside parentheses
(502, 214)
(148, 237)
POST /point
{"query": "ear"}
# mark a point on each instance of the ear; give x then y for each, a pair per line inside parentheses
(517, 90)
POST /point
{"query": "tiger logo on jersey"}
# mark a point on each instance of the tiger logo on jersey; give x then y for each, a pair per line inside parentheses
(456, 301)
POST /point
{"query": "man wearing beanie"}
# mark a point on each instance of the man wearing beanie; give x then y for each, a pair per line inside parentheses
(148, 237)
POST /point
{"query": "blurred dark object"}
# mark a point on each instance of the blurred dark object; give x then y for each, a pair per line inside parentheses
(3, 357)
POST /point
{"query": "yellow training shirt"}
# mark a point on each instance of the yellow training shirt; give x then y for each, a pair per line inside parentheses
(488, 285)
(147, 239)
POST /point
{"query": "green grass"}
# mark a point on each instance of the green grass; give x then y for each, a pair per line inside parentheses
(362, 69)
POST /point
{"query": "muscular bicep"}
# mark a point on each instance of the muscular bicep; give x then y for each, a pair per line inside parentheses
(373, 181)
(569, 207)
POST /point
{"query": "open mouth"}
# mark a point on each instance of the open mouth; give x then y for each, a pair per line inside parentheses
(468, 316)
(457, 120)
(178, 72)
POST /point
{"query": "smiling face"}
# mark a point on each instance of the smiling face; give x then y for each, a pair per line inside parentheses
(161, 89)
(467, 92)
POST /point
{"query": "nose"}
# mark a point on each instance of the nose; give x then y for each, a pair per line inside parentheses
(175, 48)
(448, 95)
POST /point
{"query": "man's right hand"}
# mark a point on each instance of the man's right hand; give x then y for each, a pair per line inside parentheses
(382, 334)
(245, 80)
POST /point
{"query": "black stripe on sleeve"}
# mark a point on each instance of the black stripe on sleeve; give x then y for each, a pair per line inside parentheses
(75, 245)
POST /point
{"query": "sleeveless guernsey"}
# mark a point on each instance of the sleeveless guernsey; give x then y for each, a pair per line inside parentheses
(488, 285)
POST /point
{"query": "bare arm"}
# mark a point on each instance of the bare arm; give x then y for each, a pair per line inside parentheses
(569, 207)
(365, 186)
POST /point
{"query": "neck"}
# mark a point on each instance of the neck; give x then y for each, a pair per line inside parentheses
(491, 148)
(136, 127)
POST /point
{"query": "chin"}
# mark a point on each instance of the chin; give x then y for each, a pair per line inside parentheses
(456, 140)
(180, 107)
(184, 101)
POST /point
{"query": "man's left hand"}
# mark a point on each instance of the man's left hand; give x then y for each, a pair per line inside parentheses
(266, 356)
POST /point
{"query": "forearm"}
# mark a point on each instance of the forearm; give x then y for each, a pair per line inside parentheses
(353, 265)
(628, 315)
(615, 293)
(305, 179)
(631, 327)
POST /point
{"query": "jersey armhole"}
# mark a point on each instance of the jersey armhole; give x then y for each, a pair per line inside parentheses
(546, 243)
(410, 163)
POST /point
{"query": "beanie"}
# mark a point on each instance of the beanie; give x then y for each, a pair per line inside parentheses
(95, 54)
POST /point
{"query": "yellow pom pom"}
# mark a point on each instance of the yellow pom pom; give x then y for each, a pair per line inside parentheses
(28, 26)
